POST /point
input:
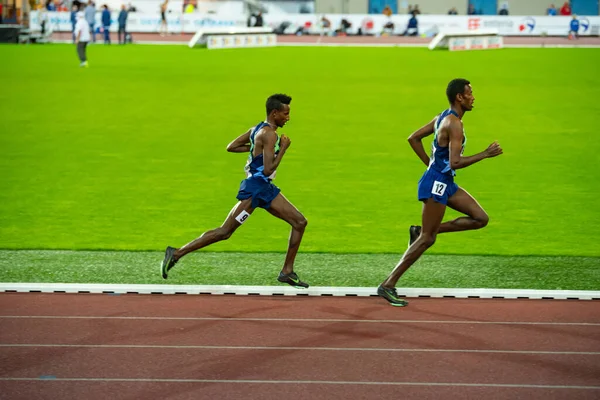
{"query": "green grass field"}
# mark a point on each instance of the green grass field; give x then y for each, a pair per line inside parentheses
(130, 155)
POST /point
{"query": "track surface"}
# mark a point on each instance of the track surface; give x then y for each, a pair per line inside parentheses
(73, 346)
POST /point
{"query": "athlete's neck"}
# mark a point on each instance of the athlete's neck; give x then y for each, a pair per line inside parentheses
(458, 110)
(271, 123)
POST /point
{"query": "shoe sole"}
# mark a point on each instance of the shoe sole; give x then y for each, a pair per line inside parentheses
(292, 284)
(163, 271)
(163, 267)
(403, 304)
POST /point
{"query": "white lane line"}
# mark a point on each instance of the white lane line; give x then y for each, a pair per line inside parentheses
(261, 348)
(317, 320)
(277, 382)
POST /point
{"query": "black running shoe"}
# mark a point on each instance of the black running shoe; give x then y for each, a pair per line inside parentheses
(415, 232)
(392, 296)
(292, 279)
(169, 262)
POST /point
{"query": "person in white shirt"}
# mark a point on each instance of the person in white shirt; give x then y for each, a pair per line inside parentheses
(82, 38)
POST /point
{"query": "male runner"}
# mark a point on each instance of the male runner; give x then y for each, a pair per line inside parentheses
(266, 149)
(437, 188)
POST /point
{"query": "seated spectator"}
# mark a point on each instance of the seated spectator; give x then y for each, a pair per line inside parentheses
(326, 25)
(471, 10)
(387, 11)
(345, 26)
(551, 10)
(453, 11)
(388, 28)
(503, 9)
(574, 28)
(416, 10)
(566, 9)
(412, 29)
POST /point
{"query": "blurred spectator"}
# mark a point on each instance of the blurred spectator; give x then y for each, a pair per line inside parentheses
(0, 12)
(189, 8)
(73, 20)
(388, 27)
(82, 38)
(565, 9)
(416, 10)
(258, 21)
(90, 17)
(412, 29)
(326, 26)
(410, 9)
(551, 10)
(387, 11)
(122, 25)
(50, 6)
(43, 18)
(255, 19)
(163, 28)
(131, 8)
(453, 11)
(574, 28)
(345, 26)
(106, 24)
(503, 9)
(471, 10)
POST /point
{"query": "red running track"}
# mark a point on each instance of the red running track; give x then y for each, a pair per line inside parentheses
(83, 346)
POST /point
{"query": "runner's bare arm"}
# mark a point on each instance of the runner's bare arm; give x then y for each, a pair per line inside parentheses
(457, 161)
(415, 140)
(270, 161)
(241, 144)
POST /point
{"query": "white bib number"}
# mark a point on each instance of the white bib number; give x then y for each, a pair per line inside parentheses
(439, 188)
(242, 217)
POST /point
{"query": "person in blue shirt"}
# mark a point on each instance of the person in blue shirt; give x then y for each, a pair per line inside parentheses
(74, 10)
(412, 29)
(437, 189)
(574, 28)
(551, 10)
(122, 24)
(265, 149)
(106, 24)
(90, 17)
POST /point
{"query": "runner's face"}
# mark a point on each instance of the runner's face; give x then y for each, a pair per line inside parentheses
(467, 98)
(282, 116)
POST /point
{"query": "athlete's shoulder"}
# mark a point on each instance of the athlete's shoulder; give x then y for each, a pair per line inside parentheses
(448, 119)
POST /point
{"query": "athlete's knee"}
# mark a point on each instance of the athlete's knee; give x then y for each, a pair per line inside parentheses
(427, 239)
(300, 223)
(482, 220)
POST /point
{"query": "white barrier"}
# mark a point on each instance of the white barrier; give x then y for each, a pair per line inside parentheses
(475, 43)
(429, 25)
(203, 36)
(480, 40)
(239, 41)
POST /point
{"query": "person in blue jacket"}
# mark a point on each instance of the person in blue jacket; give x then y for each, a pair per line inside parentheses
(74, 10)
(106, 24)
(574, 28)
